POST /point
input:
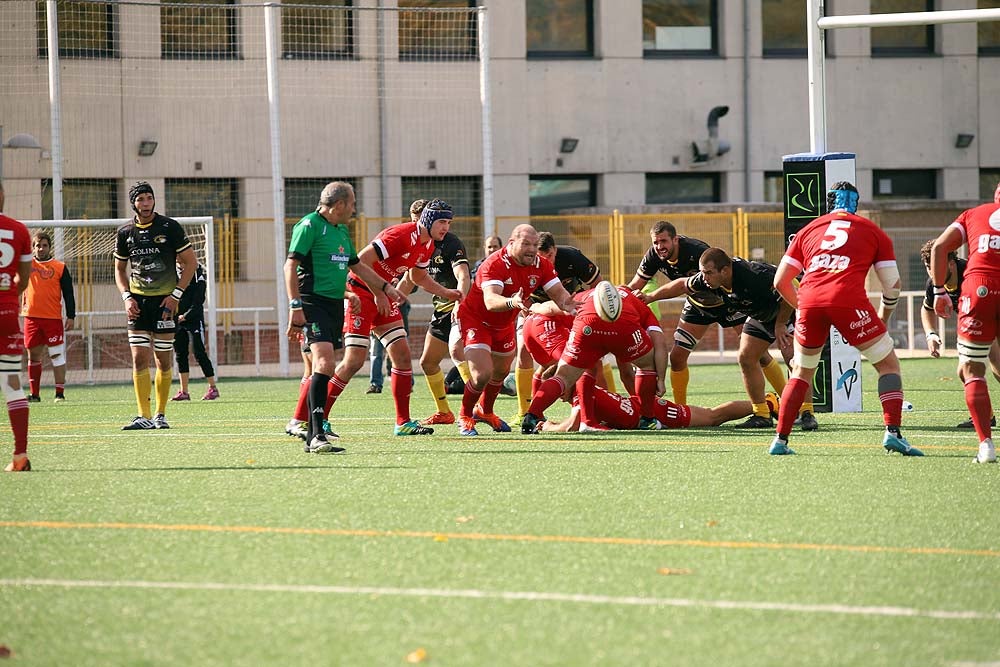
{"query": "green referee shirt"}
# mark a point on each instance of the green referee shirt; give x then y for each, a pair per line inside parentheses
(324, 252)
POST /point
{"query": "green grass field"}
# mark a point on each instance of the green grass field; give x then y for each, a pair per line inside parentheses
(220, 542)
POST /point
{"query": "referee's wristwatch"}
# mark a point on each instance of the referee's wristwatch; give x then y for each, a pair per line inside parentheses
(295, 304)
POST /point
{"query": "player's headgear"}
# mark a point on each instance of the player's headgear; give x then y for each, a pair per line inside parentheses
(141, 187)
(842, 195)
(436, 209)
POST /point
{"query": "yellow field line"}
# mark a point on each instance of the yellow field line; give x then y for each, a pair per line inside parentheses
(572, 539)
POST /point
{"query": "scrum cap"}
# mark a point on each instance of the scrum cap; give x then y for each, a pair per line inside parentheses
(436, 209)
(141, 187)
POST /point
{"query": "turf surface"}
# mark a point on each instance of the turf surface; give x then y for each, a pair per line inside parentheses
(220, 542)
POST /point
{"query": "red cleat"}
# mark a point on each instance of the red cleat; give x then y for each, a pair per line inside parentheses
(497, 424)
(439, 418)
(19, 464)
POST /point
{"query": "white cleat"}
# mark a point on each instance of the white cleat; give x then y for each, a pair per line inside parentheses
(987, 452)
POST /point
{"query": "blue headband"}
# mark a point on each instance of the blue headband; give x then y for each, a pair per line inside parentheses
(434, 211)
(845, 199)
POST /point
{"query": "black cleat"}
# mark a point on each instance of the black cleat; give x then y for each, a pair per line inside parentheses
(968, 423)
(756, 421)
(807, 421)
(529, 424)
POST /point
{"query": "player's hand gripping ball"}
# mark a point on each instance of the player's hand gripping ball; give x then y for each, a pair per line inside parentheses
(607, 301)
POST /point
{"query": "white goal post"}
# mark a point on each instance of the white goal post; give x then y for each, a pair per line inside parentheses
(817, 22)
(97, 348)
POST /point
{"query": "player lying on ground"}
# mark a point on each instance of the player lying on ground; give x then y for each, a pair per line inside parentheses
(617, 412)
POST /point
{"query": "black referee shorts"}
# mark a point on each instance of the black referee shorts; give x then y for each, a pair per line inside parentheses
(324, 320)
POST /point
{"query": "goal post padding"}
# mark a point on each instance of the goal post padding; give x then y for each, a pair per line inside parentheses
(97, 348)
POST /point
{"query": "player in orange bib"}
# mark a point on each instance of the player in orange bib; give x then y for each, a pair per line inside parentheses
(50, 287)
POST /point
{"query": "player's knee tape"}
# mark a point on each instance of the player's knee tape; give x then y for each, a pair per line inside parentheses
(685, 339)
(10, 366)
(391, 336)
(139, 339)
(976, 353)
(879, 350)
(354, 340)
(802, 360)
(160, 345)
(57, 354)
(889, 382)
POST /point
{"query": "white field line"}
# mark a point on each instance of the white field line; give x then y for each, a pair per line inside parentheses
(528, 596)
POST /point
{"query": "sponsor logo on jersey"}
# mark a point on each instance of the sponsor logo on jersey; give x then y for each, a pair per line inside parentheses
(829, 262)
(864, 319)
(982, 291)
(988, 242)
(160, 239)
(587, 330)
(533, 282)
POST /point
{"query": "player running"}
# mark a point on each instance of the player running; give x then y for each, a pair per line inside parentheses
(487, 320)
(835, 252)
(408, 246)
(979, 307)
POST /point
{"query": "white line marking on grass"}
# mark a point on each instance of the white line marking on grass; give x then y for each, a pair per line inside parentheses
(528, 596)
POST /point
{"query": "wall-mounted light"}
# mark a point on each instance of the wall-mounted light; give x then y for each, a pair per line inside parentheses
(147, 147)
(568, 144)
(964, 140)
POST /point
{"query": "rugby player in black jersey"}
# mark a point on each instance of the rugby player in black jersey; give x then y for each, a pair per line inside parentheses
(154, 246)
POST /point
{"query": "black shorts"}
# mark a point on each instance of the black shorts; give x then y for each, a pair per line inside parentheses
(324, 320)
(763, 330)
(724, 317)
(150, 314)
(440, 327)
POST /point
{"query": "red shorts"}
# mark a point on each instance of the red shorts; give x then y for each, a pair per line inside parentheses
(544, 339)
(478, 335)
(11, 340)
(583, 350)
(979, 309)
(369, 318)
(858, 324)
(43, 331)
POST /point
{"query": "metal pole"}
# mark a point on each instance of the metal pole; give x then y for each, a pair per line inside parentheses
(277, 182)
(910, 18)
(55, 95)
(489, 218)
(383, 129)
(817, 78)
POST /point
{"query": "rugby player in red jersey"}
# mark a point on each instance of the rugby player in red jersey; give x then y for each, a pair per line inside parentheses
(394, 251)
(633, 335)
(487, 318)
(835, 253)
(978, 309)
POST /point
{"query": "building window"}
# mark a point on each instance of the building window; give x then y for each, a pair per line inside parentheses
(783, 28)
(428, 35)
(217, 197)
(464, 193)
(314, 33)
(988, 180)
(204, 30)
(682, 188)
(560, 28)
(83, 199)
(774, 186)
(909, 40)
(679, 27)
(989, 32)
(904, 184)
(550, 196)
(302, 195)
(85, 30)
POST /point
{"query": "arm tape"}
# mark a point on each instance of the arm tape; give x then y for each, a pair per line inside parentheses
(888, 275)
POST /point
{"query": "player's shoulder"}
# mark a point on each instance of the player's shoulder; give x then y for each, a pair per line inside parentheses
(692, 245)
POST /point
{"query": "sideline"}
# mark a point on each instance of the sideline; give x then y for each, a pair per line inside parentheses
(528, 596)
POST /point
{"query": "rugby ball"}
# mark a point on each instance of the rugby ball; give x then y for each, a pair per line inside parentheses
(607, 301)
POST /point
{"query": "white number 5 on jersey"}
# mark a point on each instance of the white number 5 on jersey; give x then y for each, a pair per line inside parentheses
(836, 235)
(6, 249)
